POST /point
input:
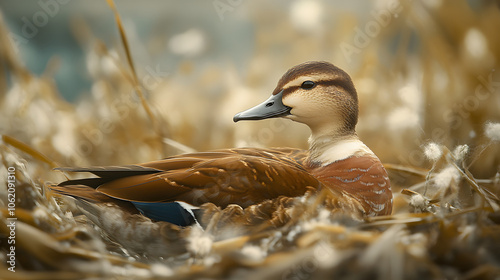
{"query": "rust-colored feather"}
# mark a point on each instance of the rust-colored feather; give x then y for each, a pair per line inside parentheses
(363, 178)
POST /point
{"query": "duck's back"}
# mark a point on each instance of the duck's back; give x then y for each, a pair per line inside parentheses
(242, 176)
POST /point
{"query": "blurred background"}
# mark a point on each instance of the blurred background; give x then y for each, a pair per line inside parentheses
(421, 74)
(425, 71)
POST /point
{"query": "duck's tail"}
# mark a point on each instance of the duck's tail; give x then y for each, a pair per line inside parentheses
(105, 174)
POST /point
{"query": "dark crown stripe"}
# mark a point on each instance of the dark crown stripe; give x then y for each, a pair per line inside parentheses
(311, 68)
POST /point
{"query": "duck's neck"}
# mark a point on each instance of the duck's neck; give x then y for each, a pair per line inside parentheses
(326, 148)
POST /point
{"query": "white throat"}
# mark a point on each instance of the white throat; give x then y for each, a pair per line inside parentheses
(326, 150)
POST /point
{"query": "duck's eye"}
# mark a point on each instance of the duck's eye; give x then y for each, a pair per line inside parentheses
(308, 85)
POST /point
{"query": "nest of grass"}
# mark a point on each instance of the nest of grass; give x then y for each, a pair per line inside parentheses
(432, 112)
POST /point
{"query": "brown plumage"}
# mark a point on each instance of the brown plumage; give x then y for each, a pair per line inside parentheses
(233, 176)
(363, 178)
(265, 180)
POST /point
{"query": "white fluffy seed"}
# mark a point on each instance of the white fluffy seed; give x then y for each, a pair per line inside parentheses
(199, 243)
(418, 201)
(433, 151)
(460, 151)
(492, 131)
(444, 178)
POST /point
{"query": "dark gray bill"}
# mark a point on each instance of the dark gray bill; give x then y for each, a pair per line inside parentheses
(271, 108)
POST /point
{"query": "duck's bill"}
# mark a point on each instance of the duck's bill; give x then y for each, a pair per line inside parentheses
(271, 108)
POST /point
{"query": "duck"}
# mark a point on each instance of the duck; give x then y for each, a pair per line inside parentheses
(174, 189)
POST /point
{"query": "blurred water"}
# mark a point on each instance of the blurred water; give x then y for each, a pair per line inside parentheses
(43, 30)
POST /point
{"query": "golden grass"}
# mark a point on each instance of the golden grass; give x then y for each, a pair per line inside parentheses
(428, 76)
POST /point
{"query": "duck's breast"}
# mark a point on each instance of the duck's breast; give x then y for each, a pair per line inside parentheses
(361, 177)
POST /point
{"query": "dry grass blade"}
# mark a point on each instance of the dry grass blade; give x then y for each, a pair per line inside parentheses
(412, 193)
(7, 55)
(487, 196)
(130, 61)
(228, 245)
(124, 39)
(407, 169)
(28, 150)
(405, 218)
(50, 251)
(41, 275)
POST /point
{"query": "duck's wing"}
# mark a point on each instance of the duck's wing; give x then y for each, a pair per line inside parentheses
(223, 177)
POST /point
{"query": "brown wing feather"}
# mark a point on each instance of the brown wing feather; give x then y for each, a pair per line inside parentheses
(145, 188)
(234, 176)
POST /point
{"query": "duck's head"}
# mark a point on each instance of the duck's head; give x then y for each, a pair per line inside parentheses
(315, 93)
